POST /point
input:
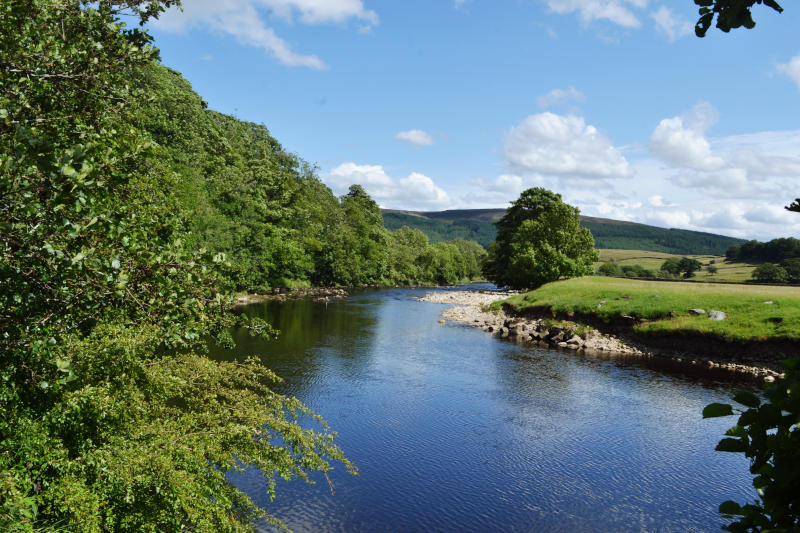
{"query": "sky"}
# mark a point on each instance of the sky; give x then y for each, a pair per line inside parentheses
(455, 104)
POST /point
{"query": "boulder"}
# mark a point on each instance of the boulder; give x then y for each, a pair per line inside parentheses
(697, 311)
(717, 315)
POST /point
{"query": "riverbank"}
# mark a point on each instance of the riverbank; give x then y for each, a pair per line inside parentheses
(322, 294)
(541, 327)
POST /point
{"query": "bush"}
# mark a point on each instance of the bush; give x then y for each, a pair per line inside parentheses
(767, 433)
(770, 273)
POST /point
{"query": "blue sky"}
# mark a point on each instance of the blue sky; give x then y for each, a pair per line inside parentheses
(445, 104)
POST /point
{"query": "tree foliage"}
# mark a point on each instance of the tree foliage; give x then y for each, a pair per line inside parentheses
(770, 273)
(730, 14)
(768, 433)
(111, 415)
(539, 240)
(684, 266)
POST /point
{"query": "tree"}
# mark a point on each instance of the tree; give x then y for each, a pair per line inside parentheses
(112, 417)
(609, 269)
(539, 240)
(730, 14)
(683, 266)
(770, 273)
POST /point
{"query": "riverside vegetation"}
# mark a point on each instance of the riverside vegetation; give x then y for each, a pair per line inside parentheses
(128, 215)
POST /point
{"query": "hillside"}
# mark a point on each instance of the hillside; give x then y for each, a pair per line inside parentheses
(477, 225)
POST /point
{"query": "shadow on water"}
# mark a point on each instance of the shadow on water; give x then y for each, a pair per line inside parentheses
(453, 430)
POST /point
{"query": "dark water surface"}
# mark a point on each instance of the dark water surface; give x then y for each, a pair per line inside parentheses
(454, 430)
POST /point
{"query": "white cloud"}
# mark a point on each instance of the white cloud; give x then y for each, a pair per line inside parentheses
(681, 141)
(416, 192)
(415, 137)
(564, 146)
(560, 97)
(658, 201)
(669, 24)
(244, 20)
(791, 69)
(616, 11)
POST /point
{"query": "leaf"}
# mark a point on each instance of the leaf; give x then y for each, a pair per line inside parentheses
(730, 508)
(747, 398)
(731, 445)
(715, 410)
(737, 431)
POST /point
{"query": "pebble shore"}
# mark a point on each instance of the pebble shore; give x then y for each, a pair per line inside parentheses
(471, 308)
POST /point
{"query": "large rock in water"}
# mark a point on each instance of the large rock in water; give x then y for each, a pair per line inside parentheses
(716, 315)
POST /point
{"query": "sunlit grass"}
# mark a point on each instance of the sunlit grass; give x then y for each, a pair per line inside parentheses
(664, 306)
(730, 272)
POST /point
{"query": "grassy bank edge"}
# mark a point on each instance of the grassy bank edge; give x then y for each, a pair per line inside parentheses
(761, 319)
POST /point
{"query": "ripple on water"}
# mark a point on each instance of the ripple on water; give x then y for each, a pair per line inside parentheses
(453, 430)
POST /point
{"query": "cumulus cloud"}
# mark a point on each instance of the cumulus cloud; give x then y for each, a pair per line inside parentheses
(564, 146)
(671, 25)
(681, 140)
(616, 11)
(244, 20)
(416, 191)
(560, 97)
(791, 69)
(415, 137)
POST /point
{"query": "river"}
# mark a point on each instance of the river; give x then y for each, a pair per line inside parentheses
(455, 430)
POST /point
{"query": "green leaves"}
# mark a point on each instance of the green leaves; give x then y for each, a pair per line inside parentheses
(539, 240)
(716, 410)
(768, 433)
(730, 14)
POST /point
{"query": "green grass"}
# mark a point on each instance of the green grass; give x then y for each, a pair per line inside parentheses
(730, 272)
(662, 307)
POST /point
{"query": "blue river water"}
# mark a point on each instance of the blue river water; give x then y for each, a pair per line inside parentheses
(455, 430)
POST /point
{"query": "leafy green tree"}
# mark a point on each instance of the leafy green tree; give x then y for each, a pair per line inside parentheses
(770, 273)
(792, 268)
(111, 415)
(689, 266)
(539, 240)
(768, 433)
(609, 269)
(684, 266)
(730, 14)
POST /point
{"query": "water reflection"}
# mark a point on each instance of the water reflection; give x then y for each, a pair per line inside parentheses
(454, 430)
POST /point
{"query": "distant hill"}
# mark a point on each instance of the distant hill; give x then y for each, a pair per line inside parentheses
(477, 225)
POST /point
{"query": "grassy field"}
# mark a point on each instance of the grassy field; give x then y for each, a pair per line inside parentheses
(664, 306)
(734, 272)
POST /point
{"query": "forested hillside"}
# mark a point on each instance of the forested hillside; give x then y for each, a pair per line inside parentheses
(265, 209)
(477, 224)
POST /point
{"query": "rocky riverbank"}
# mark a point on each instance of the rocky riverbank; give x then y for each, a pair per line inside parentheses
(322, 294)
(471, 308)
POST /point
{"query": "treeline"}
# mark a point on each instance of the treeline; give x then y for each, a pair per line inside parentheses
(643, 237)
(672, 268)
(780, 259)
(267, 212)
(773, 251)
(608, 234)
